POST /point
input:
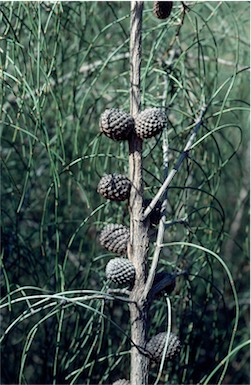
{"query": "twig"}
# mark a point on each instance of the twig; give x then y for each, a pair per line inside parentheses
(162, 222)
(104, 297)
(120, 291)
(63, 299)
(169, 325)
(161, 228)
(176, 168)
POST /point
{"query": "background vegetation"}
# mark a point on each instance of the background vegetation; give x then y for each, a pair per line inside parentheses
(62, 65)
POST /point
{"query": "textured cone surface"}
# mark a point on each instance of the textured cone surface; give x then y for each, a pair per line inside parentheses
(162, 9)
(121, 382)
(150, 122)
(116, 124)
(155, 346)
(114, 237)
(121, 271)
(164, 283)
(115, 187)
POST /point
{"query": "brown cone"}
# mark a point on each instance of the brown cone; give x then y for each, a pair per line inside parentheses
(162, 9)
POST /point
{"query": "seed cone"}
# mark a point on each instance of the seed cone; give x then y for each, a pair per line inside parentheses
(120, 271)
(116, 124)
(162, 9)
(114, 237)
(150, 122)
(121, 382)
(115, 187)
(155, 346)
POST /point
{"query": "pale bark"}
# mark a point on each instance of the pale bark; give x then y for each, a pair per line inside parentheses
(176, 168)
(138, 245)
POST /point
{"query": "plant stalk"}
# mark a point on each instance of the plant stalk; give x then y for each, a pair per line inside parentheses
(139, 242)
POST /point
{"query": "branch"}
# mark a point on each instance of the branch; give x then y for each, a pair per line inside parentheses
(169, 326)
(176, 168)
(63, 299)
(119, 291)
(161, 228)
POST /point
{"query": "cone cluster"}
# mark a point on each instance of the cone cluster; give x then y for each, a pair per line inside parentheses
(120, 271)
(162, 9)
(118, 125)
(114, 238)
(155, 346)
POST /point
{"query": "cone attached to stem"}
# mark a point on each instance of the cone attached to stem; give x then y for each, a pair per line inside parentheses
(116, 124)
(115, 187)
(114, 237)
(120, 271)
(150, 122)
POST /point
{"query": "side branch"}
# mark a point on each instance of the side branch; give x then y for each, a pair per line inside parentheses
(161, 228)
(176, 168)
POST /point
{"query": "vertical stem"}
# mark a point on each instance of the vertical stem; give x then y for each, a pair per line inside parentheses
(138, 245)
(135, 55)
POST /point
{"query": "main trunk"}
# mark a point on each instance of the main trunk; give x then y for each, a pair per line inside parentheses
(138, 246)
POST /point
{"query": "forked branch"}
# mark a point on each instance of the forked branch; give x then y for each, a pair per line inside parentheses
(176, 168)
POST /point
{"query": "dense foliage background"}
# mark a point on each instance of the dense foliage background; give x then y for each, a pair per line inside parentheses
(62, 65)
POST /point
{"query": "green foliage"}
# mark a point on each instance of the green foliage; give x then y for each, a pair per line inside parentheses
(62, 65)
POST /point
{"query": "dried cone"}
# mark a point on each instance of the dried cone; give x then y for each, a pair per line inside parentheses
(114, 237)
(162, 9)
(155, 346)
(121, 382)
(116, 124)
(121, 271)
(115, 187)
(150, 122)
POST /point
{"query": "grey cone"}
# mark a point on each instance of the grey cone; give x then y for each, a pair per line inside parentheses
(115, 187)
(155, 346)
(114, 237)
(150, 122)
(120, 271)
(116, 124)
(121, 382)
